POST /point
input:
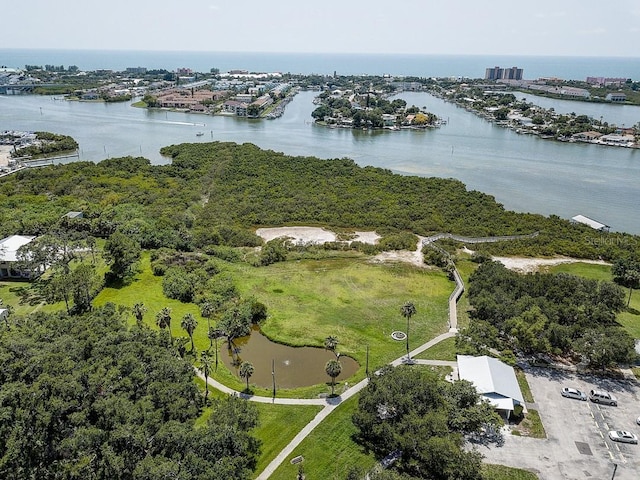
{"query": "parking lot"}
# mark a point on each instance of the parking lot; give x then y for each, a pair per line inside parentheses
(577, 444)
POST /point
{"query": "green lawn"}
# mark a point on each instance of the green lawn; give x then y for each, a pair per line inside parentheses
(308, 300)
(586, 270)
(500, 472)
(329, 451)
(147, 288)
(355, 301)
(278, 425)
(530, 426)
(444, 350)
(524, 385)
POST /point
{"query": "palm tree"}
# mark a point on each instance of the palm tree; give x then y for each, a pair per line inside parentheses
(163, 319)
(408, 310)
(207, 310)
(138, 311)
(205, 368)
(189, 324)
(246, 370)
(333, 369)
(214, 334)
(632, 278)
(331, 343)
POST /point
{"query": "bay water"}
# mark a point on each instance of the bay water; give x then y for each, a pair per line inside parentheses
(522, 172)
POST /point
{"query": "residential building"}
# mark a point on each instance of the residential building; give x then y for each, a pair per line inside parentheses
(616, 97)
(494, 380)
(499, 73)
(235, 107)
(9, 247)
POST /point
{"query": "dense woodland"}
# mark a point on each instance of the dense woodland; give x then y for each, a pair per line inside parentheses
(83, 397)
(546, 314)
(215, 193)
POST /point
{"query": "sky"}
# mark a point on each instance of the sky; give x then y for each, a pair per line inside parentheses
(459, 27)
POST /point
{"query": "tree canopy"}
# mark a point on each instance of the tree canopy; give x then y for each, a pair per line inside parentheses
(83, 397)
(416, 413)
(217, 193)
(543, 313)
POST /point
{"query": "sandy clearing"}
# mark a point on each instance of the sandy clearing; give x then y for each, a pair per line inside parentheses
(312, 235)
(298, 234)
(317, 235)
(529, 265)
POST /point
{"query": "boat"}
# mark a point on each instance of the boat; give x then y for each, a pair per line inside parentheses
(199, 134)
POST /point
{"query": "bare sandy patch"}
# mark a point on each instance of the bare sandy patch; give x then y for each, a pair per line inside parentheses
(530, 265)
(366, 237)
(312, 235)
(414, 257)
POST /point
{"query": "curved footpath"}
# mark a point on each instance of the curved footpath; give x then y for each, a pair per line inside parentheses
(331, 403)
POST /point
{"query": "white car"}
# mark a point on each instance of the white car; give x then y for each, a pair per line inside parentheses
(638, 420)
(573, 393)
(623, 436)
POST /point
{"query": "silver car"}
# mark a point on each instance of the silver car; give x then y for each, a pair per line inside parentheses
(573, 393)
(623, 436)
(599, 396)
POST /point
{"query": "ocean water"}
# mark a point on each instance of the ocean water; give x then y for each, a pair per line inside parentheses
(471, 66)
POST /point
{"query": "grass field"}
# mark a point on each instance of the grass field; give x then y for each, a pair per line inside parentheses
(278, 425)
(444, 350)
(308, 300)
(329, 451)
(500, 472)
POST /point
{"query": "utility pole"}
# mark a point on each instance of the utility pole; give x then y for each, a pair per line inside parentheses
(367, 367)
(273, 375)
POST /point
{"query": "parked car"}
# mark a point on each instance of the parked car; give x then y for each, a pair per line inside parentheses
(623, 436)
(638, 420)
(573, 393)
(598, 396)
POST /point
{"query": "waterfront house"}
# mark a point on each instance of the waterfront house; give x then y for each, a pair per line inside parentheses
(616, 97)
(586, 136)
(388, 120)
(235, 107)
(9, 247)
(618, 140)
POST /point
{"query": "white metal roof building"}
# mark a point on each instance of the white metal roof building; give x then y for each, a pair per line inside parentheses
(9, 256)
(592, 223)
(494, 380)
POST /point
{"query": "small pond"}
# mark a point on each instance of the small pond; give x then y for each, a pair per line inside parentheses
(294, 366)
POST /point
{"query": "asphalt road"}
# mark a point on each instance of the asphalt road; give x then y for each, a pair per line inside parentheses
(577, 445)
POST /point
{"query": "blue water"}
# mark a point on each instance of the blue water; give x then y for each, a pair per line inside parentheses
(472, 66)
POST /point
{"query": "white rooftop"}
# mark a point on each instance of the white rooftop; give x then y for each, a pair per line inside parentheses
(9, 247)
(493, 379)
(588, 221)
